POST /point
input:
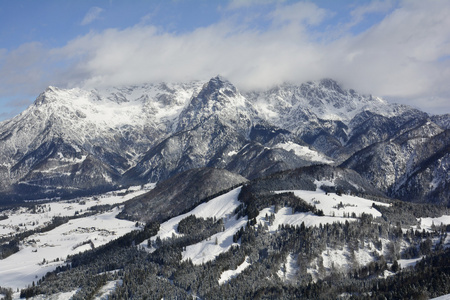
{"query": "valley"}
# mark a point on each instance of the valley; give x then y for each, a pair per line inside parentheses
(42, 252)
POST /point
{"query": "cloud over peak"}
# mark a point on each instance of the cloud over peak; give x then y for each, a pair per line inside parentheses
(403, 56)
(92, 15)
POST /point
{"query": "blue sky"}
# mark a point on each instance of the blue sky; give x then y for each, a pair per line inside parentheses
(396, 49)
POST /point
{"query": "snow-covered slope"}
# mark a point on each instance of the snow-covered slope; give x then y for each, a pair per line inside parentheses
(224, 207)
(179, 193)
(229, 274)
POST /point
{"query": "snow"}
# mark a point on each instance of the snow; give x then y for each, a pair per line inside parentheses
(107, 289)
(427, 223)
(122, 105)
(286, 217)
(363, 256)
(288, 270)
(288, 104)
(208, 249)
(344, 259)
(333, 205)
(304, 152)
(336, 259)
(444, 297)
(231, 153)
(24, 219)
(225, 205)
(218, 243)
(222, 207)
(405, 263)
(230, 274)
(97, 117)
(320, 183)
(43, 252)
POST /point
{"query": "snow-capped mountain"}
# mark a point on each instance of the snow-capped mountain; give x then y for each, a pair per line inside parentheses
(219, 99)
(77, 141)
(336, 121)
(213, 124)
(324, 99)
(81, 139)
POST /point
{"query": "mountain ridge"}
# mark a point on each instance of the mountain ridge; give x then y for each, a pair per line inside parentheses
(136, 134)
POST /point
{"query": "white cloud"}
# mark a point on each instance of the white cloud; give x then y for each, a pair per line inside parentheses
(3, 53)
(300, 12)
(360, 12)
(22, 67)
(236, 4)
(402, 57)
(92, 15)
(399, 57)
(142, 53)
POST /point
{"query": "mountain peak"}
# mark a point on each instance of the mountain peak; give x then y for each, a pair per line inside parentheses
(331, 84)
(219, 84)
(218, 97)
(220, 78)
(47, 96)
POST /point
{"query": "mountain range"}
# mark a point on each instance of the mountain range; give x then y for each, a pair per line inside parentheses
(73, 142)
(198, 190)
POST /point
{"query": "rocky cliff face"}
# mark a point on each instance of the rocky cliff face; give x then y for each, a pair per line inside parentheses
(412, 166)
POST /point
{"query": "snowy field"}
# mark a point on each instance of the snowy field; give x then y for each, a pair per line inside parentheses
(107, 289)
(334, 205)
(43, 252)
(102, 294)
(24, 219)
(427, 223)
